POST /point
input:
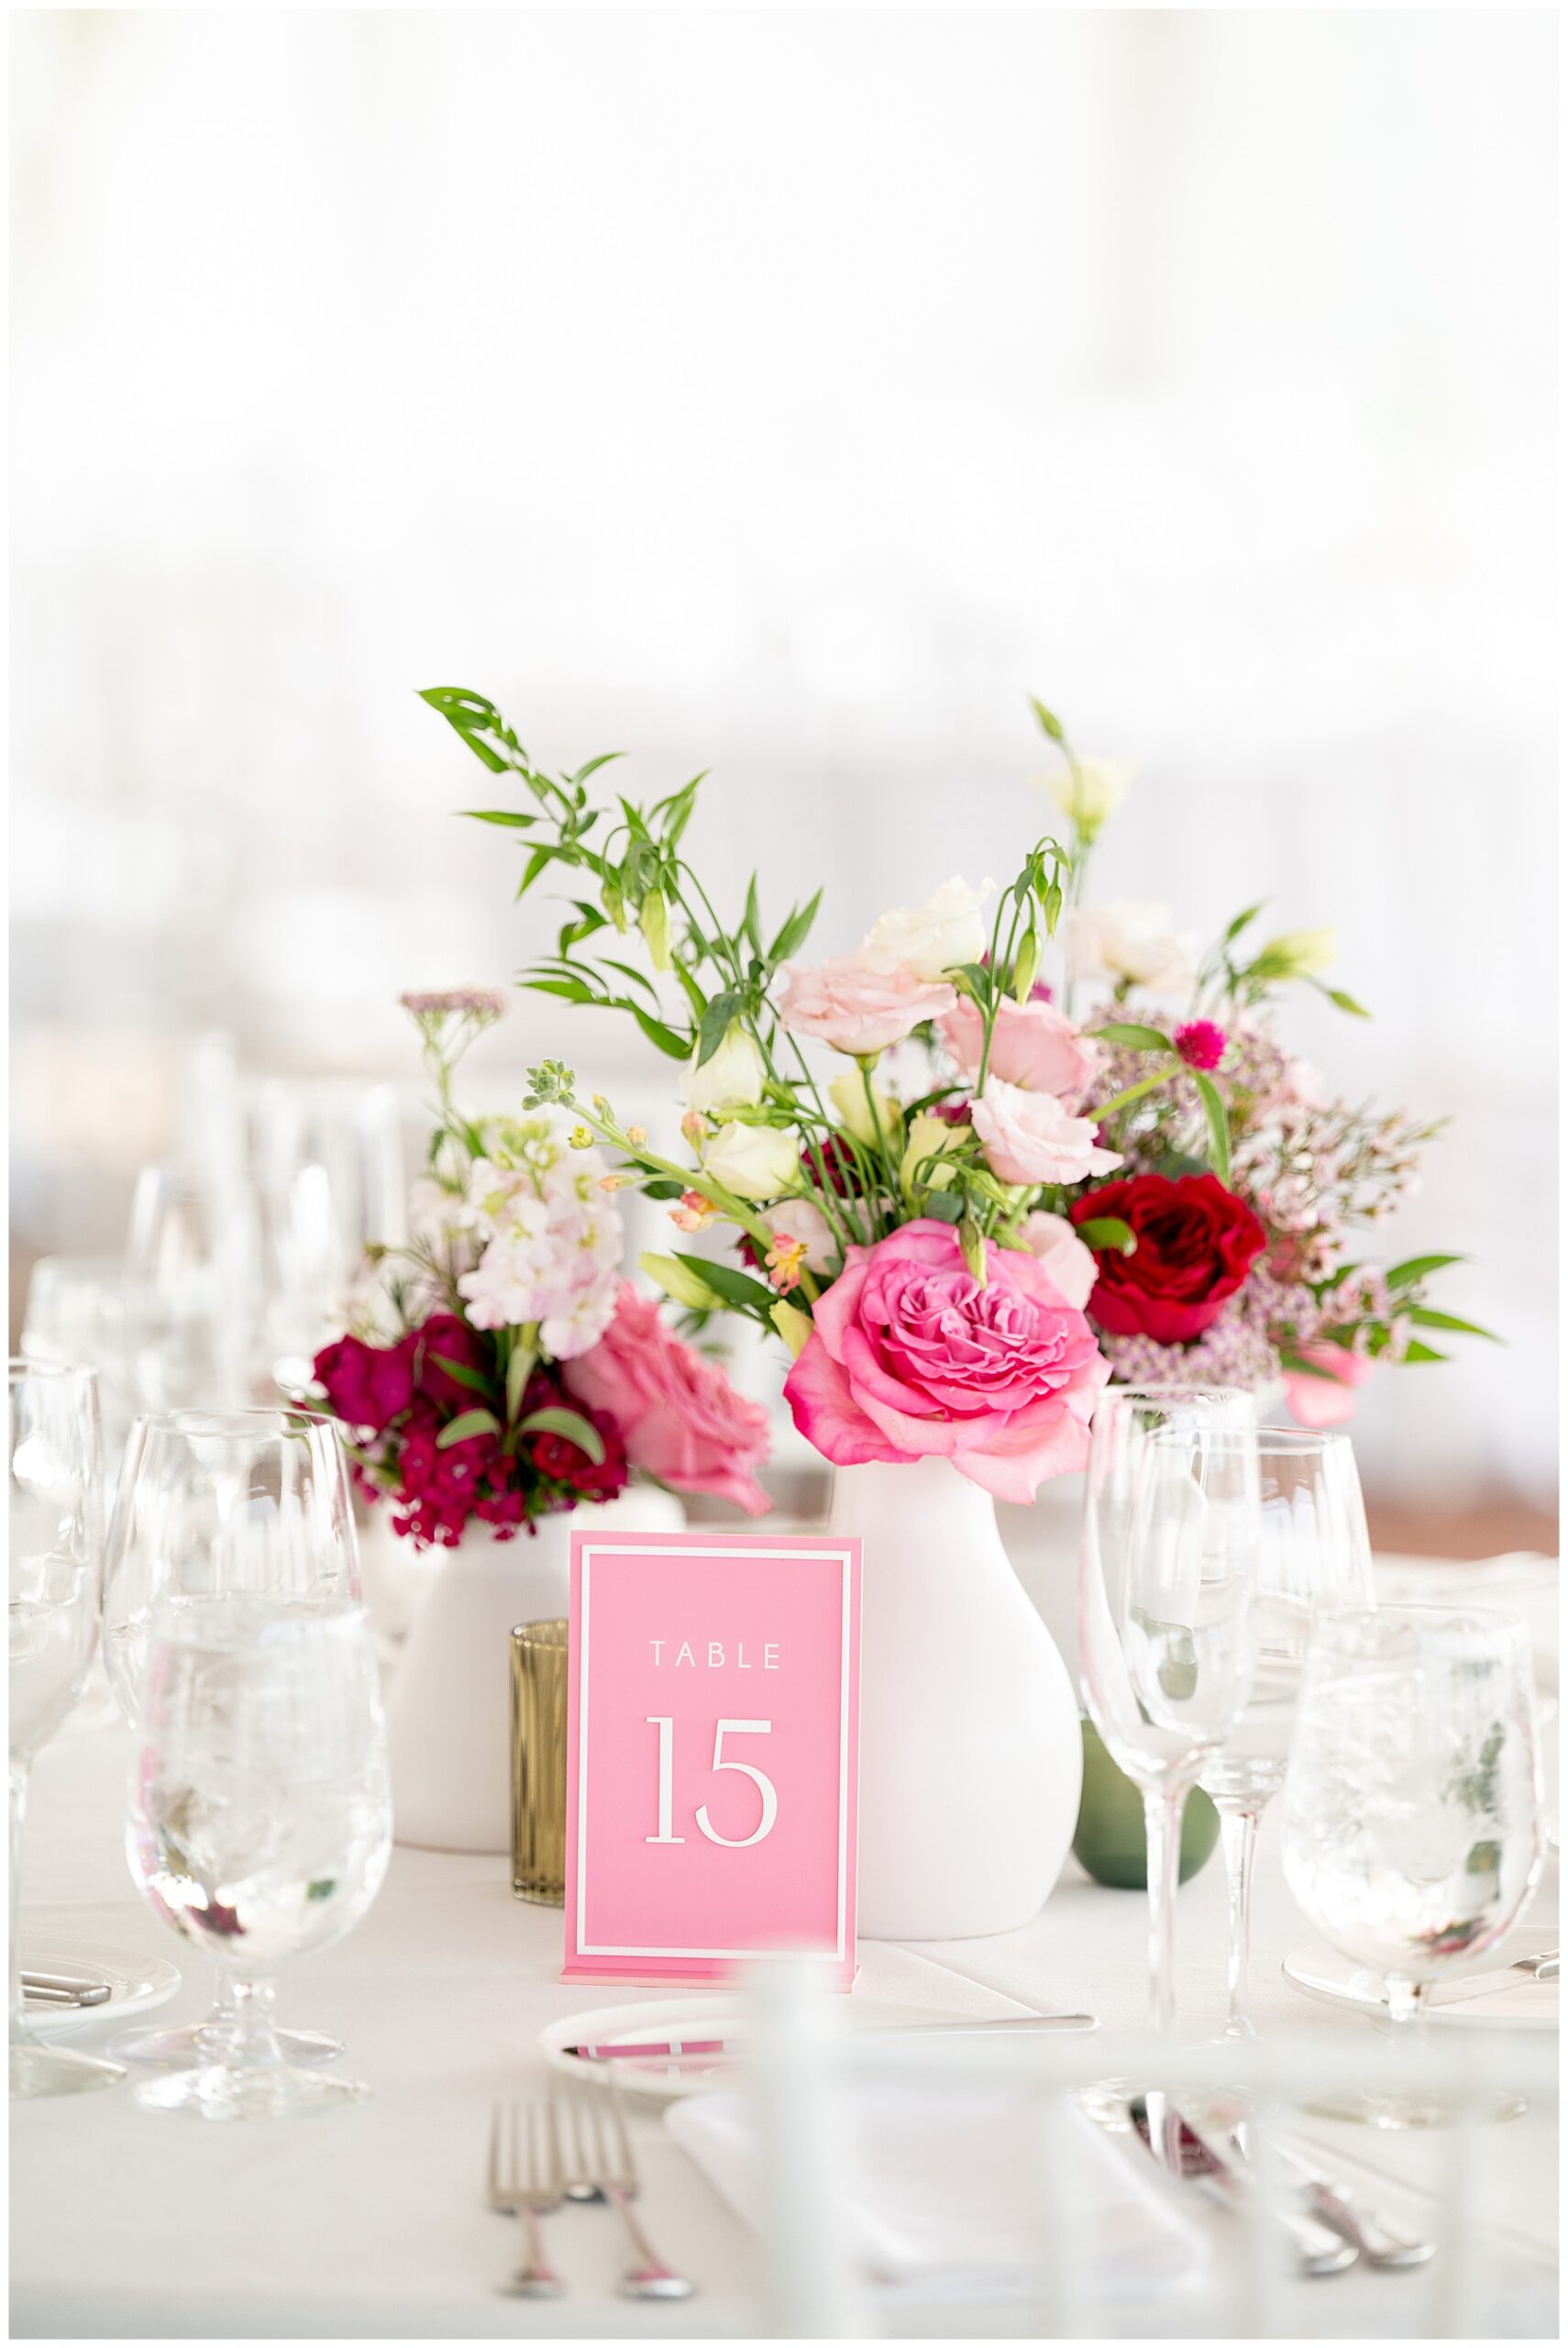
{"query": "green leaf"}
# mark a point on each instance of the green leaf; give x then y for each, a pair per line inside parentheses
(792, 937)
(715, 1025)
(635, 977)
(1219, 1131)
(735, 1287)
(498, 816)
(1049, 724)
(945, 1206)
(1425, 1318)
(532, 869)
(1109, 1231)
(1128, 1031)
(467, 1423)
(1242, 919)
(479, 724)
(674, 1046)
(568, 1424)
(517, 1370)
(1415, 1268)
(569, 989)
(593, 767)
(693, 993)
(572, 933)
(1343, 1001)
(751, 920)
(462, 1373)
(1416, 1351)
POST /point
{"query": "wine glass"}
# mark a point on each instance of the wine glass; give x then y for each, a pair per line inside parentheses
(329, 1175)
(260, 1821)
(194, 1288)
(1168, 1543)
(1313, 1555)
(213, 1508)
(56, 1562)
(1413, 1821)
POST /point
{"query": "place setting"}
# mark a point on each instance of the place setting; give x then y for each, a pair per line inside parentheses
(844, 1909)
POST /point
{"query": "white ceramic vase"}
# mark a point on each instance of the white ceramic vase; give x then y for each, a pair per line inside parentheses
(971, 1759)
(450, 1701)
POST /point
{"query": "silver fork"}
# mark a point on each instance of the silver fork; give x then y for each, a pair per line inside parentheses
(526, 2182)
(599, 2154)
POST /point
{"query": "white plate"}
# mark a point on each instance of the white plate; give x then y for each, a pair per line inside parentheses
(720, 2015)
(137, 1983)
(1533, 2005)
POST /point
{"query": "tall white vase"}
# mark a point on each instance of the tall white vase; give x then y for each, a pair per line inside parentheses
(971, 1759)
(449, 1703)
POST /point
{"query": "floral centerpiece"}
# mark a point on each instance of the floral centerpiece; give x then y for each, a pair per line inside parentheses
(1012, 1145)
(498, 1368)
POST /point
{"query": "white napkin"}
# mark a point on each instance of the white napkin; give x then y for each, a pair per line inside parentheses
(946, 2190)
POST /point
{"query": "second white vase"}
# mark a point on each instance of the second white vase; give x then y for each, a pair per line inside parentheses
(971, 1760)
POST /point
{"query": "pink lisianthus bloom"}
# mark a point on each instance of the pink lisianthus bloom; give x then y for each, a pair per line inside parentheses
(1325, 1399)
(679, 1417)
(854, 1005)
(1032, 1045)
(1053, 1242)
(1034, 1137)
(910, 1358)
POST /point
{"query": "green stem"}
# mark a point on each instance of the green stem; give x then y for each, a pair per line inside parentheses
(698, 1180)
(1134, 1092)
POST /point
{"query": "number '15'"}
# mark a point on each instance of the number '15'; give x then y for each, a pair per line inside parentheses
(763, 1783)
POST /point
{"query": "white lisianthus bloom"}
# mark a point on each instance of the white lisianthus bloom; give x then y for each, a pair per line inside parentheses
(936, 936)
(847, 1094)
(732, 1078)
(1032, 1137)
(754, 1161)
(1053, 1242)
(1131, 941)
(1091, 789)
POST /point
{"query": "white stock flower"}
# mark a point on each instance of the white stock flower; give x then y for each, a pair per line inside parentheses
(754, 1161)
(936, 936)
(553, 1243)
(1130, 940)
(730, 1078)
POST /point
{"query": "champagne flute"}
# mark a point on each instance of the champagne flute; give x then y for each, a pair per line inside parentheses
(1413, 1832)
(1313, 1556)
(1164, 1581)
(260, 1821)
(56, 1564)
(213, 1508)
(194, 1288)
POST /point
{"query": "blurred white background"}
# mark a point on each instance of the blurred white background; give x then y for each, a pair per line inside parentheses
(790, 393)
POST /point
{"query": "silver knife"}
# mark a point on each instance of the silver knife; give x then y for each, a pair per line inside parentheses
(687, 2051)
(1460, 1986)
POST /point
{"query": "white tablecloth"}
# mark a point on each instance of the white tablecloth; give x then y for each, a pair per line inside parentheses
(371, 2222)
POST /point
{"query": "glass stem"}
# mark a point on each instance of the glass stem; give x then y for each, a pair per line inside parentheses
(1238, 1833)
(16, 2011)
(254, 2044)
(1162, 1807)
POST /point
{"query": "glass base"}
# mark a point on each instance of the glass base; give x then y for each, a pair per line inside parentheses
(1393, 2111)
(197, 2043)
(267, 2091)
(37, 2069)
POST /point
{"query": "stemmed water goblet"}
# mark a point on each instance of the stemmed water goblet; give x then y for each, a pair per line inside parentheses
(56, 1562)
(1413, 1833)
(216, 1509)
(1169, 1545)
(1312, 1554)
(260, 1821)
(194, 1287)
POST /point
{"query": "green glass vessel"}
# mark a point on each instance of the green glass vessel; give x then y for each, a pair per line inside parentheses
(1110, 1838)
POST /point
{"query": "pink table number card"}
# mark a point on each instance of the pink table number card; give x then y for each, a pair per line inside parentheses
(712, 1753)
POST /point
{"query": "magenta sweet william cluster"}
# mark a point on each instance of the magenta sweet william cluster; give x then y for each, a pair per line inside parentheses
(399, 1400)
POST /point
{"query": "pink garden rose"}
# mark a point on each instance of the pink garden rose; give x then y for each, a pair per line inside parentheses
(1328, 1401)
(1034, 1137)
(910, 1358)
(1053, 1242)
(1032, 1045)
(679, 1417)
(855, 1006)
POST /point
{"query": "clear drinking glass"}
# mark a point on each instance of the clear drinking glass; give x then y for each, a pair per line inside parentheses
(1164, 1570)
(1313, 1556)
(216, 1508)
(260, 1821)
(56, 1562)
(1413, 1819)
(193, 1289)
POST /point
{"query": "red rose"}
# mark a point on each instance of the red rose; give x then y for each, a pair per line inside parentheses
(446, 1337)
(1196, 1243)
(367, 1385)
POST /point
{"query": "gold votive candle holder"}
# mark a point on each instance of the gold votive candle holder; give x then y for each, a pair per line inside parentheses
(539, 1762)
